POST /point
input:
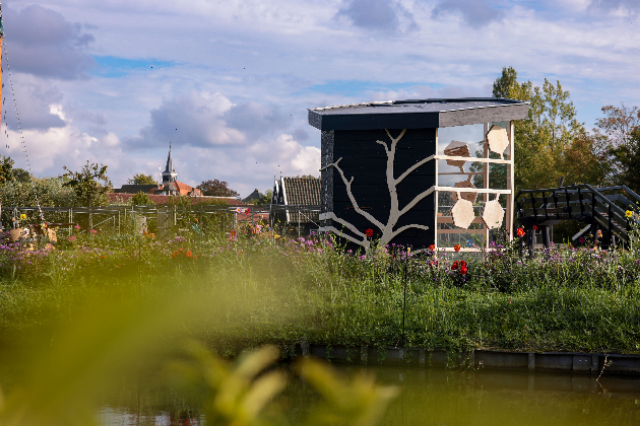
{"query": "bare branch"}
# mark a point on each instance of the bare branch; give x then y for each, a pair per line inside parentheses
(356, 207)
(394, 141)
(347, 224)
(331, 165)
(422, 250)
(404, 228)
(365, 243)
(412, 168)
(416, 201)
(386, 148)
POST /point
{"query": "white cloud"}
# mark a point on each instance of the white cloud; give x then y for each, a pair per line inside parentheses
(44, 43)
(195, 118)
(243, 73)
(291, 157)
(247, 167)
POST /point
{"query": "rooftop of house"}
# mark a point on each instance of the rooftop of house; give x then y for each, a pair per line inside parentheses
(302, 191)
(180, 187)
(417, 113)
(254, 196)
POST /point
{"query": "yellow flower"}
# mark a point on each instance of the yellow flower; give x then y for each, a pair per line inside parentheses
(629, 213)
(23, 216)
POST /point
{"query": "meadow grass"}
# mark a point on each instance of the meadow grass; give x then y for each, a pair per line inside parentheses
(262, 289)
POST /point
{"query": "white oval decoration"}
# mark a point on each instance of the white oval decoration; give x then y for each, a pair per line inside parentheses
(493, 214)
(498, 140)
(462, 213)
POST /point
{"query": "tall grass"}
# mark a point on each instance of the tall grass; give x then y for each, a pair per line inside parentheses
(262, 288)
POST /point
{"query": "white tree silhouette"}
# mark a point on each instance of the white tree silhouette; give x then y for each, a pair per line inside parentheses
(395, 213)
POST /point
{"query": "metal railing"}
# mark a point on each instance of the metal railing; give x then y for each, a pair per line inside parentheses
(605, 208)
(118, 216)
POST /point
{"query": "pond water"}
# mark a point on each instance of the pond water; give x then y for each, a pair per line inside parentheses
(432, 397)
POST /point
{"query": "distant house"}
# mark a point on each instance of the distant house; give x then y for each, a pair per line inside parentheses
(299, 194)
(169, 186)
(253, 197)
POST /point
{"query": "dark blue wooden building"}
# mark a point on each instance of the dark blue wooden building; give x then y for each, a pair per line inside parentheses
(418, 172)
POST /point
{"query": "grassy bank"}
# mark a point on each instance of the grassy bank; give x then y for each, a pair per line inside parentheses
(239, 291)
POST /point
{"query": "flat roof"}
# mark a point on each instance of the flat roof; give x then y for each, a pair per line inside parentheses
(417, 113)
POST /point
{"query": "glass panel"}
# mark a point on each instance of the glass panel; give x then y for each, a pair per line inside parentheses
(448, 234)
(498, 236)
(472, 135)
(471, 174)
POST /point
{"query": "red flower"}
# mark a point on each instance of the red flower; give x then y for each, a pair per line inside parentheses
(520, 232)
(454, 266)
(535, 228)
(188, 253)
(432, 247)
(463, 270)
(463, 264)
(369, 232)
(195, 257)
(232, 233)
(456, 247)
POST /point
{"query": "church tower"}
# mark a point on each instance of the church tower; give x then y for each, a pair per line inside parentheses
(169, 175)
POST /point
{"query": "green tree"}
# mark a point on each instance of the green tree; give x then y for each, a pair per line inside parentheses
(618, 124)
(265, 200)
(216, 188)
(141, 199)
(141, 179)
(51, 192)
(10, 174)
(20, 175)
(628, 157)
(544, 149)
(90, 184)
(616, 132)
(6, 169)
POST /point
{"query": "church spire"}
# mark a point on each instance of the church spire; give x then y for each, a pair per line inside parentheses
(169, 174)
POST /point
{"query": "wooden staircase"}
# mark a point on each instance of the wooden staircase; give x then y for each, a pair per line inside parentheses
(602, 208)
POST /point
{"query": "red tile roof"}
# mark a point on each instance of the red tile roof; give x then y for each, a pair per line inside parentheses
(185, 189)
(181, 187)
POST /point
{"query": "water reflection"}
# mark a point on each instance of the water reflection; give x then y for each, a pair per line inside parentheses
(437, 397)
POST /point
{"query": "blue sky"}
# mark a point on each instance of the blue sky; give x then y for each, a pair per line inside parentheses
(229, 82)
(114, 67)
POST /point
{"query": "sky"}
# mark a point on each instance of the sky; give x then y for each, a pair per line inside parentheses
(228, 83)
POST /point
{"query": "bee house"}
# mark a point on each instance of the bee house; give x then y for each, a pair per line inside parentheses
(418, 172)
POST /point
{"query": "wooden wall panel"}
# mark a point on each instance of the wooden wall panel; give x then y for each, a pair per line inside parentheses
(366, 161)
